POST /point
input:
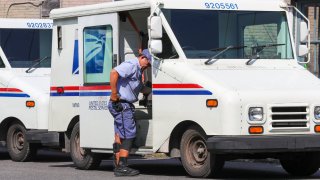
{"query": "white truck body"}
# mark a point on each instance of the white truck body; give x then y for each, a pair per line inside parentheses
(25, 51)
(257, 68)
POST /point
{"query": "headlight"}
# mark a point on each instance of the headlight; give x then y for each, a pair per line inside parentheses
(317, 112)
(256, 114)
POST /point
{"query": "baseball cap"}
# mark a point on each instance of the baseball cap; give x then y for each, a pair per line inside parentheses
(146, 54)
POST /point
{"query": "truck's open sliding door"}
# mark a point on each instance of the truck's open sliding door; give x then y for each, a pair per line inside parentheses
(98, 53)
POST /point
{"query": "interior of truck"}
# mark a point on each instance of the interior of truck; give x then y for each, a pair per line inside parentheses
(133, 34)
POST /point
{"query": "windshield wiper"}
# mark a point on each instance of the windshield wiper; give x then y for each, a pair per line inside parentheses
(223, 50)
(257, 49)
(33, 67)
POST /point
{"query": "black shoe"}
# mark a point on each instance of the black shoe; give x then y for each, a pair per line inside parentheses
(125, 171)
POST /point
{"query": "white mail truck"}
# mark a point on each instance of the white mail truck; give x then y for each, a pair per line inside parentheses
(227, 82)
(25, 58)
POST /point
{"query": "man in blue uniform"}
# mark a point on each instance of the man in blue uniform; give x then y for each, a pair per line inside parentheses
(126, 84)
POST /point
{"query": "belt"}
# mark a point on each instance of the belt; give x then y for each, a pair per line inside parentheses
(124, 101)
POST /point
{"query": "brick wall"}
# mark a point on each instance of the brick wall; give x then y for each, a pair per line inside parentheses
(11, 9)
(314, 23)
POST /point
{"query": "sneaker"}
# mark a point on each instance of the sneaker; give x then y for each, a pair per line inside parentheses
(125, 171)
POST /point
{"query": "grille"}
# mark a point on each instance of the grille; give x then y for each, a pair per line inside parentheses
(289, 118)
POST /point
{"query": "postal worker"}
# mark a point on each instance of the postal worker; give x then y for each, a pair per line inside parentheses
(126, 84)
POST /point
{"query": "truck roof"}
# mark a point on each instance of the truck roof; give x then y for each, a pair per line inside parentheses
(125, 5)
(15, 23)
(100, 8)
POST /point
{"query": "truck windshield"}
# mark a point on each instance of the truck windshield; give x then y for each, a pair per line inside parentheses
(201, 32)
(25, 47)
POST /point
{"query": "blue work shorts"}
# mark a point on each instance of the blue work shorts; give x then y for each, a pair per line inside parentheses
(124, 123)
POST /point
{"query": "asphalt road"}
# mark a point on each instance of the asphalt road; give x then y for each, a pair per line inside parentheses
(55, 166)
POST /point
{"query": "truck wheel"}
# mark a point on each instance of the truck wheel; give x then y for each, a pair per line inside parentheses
(195, 157)
(82, 158)
(301, 164)
(19, 149)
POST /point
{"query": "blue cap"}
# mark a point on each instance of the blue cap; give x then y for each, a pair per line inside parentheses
(147, 54)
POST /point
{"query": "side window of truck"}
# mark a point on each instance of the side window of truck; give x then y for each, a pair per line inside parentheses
(97, 54)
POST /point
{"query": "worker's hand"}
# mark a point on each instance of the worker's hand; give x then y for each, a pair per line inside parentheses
(117, 106)
(146, 89)
(114, 97)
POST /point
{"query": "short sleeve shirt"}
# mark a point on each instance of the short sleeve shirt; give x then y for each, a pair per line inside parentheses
(130, 80)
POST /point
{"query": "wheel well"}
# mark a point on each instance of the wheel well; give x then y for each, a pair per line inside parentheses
(67, 134)
(73, 122)
(4, 126)
(176, 135)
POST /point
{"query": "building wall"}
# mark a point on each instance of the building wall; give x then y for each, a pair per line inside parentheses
(313, 66)
(15, 9)
(311, 7)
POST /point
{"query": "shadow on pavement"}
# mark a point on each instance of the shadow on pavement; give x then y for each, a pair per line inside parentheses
(250, 170)
(232, 170)
(172, 167)
(4, 156)
(157, 167)
(44, 155)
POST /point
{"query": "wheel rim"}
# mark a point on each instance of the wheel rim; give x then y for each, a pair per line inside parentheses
(197, 151)
(79, 152)
(18, 141)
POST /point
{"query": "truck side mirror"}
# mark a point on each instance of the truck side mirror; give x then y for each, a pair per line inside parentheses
(155, 27)
(303, 50)
(304, 32)
(155, 46)
(155, 30)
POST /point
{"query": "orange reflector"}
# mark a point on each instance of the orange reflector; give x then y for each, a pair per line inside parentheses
(212, 103)
(30, 103)
(317, 128)
(255, 129)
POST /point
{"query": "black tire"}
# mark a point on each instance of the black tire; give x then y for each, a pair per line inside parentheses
(82, 158)
(19, 149)
(301, 164)
(195, 158)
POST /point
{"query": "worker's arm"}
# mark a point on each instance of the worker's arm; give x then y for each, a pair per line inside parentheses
(114, 76)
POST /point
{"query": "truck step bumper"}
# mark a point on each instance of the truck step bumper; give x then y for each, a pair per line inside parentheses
(263, 144)
(43, 137)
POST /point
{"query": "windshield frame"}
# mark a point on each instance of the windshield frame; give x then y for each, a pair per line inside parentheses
(4, 59)
(167, 27)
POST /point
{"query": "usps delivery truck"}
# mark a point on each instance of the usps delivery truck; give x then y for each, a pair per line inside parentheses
(25, 58)
(227, 82)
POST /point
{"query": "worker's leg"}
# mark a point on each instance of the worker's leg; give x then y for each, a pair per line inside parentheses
(116, 150)
(125, 130)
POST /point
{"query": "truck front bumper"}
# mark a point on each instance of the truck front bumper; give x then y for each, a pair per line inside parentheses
(263, 144)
